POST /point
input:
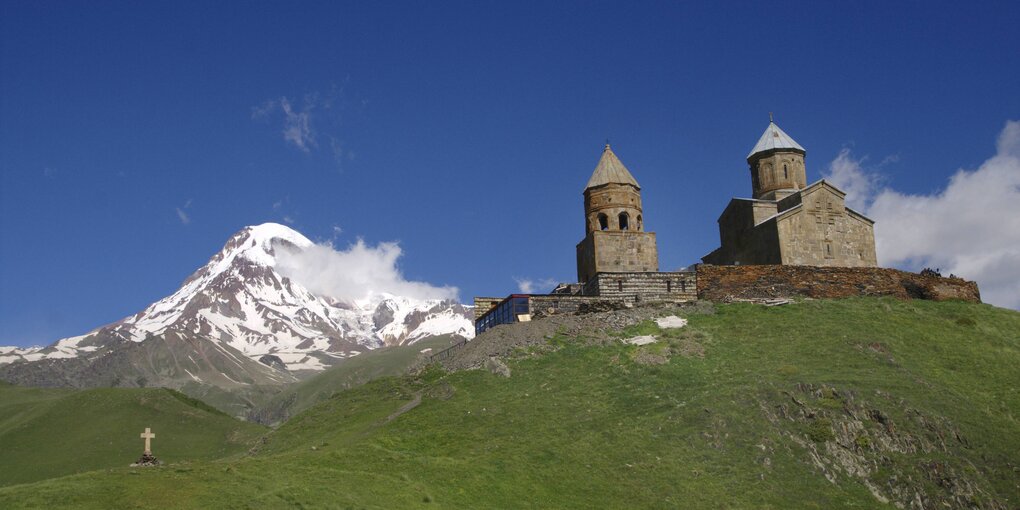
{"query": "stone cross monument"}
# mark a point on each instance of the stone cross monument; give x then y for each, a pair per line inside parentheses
(147, 436)
(147, 458)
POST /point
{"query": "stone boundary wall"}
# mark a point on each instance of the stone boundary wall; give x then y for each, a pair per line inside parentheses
(640, 286)
(721, 283)
(566, 303)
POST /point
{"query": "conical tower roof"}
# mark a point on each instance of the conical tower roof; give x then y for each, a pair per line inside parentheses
(774, 138)
(610, 170)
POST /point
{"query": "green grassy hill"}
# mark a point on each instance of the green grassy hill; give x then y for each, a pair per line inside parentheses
(46, 433)
(857, 403)
(352, 372)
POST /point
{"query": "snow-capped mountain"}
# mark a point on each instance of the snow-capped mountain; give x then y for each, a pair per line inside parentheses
(238, 321)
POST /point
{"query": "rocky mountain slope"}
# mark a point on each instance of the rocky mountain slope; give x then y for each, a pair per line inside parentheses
(236, 322)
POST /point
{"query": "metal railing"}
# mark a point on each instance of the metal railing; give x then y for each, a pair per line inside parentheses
(447, 352)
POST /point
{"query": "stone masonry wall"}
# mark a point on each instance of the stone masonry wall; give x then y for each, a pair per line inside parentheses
(484, 304)
(566, 303)
(719, 283)
(612, 251)
(642, 286)
(824, 233)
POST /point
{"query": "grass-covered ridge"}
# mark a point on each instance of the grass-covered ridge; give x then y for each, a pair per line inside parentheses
(46, 433)
(819, 404)
(349, 373)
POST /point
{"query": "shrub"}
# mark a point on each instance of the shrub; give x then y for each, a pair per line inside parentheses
(820, 430)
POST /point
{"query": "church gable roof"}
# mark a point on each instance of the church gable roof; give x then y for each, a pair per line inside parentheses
(774, 139)
(610, 170)
(827, 186)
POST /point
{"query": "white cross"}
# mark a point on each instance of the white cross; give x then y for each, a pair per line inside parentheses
(148, 435)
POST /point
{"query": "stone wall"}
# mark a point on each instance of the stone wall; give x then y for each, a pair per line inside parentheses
(612, 200)
(552, 304)
(616, 251)
(720, 283)
(741, 241)
(777, 170)
(823, 232)
(484, 304)
(641, 286)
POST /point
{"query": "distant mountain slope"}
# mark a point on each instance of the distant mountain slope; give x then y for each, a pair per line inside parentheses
(858, 403)
(47, 432)
(235, 323)
(386, 361)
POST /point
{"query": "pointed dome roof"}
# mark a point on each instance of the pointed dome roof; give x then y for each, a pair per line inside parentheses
(610, 170)
(774, 138)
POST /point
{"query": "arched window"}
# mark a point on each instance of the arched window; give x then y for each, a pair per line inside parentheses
(785, 174)
(624, 221)
(603, 222)
(640, 224)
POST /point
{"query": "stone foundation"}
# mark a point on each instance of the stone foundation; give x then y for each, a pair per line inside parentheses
(720, 283)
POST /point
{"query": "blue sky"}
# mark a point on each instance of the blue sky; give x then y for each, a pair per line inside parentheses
(136, 137)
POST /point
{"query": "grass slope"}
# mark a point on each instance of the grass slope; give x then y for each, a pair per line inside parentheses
(387, 361)
(820, 404)
(46, 433)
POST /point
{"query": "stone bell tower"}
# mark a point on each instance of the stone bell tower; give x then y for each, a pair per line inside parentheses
(777, 165)
(615, 239)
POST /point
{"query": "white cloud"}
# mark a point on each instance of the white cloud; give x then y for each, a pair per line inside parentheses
(847, 174)
(359, 272)
(297, 126)
(529, 286)
(182, 215)
(263, 110)
(302, 125)
(971, 228)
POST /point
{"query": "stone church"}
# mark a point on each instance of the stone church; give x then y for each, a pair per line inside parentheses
(788, 221)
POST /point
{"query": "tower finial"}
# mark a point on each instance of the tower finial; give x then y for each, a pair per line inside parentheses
(770, 117)
(607, 143)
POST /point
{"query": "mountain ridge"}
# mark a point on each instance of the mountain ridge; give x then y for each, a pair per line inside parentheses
(235, 322)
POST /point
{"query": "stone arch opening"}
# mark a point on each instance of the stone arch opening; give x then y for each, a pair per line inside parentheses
(603, 222)
(640, 224)
(624, 221)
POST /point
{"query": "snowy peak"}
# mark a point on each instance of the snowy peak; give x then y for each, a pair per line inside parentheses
(239, 301)
(257, 245)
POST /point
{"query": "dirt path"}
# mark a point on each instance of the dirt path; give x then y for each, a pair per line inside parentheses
(404, 408)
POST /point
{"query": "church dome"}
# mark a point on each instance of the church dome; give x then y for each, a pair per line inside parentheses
(610, 170)
(775, 139)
